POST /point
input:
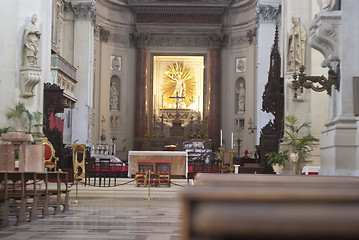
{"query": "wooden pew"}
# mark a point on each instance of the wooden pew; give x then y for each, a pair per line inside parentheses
(232, 206)
(19, 196)
(17, 199)
(4, 201)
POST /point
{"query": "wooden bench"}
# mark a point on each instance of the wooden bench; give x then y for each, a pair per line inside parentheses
(21, 196)
(257, 206)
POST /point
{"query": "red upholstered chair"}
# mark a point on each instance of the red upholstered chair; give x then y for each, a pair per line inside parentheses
(50, 160)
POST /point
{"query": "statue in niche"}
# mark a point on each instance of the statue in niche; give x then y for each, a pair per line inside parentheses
(241, 91)
(31, 40)
(113, 97)
(296, 45)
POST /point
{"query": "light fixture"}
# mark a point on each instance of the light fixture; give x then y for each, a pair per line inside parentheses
(316, 83)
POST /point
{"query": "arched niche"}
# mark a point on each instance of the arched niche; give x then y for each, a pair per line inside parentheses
(240, 96)
(115, 90)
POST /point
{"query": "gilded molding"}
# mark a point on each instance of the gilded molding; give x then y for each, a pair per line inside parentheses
(267, 13)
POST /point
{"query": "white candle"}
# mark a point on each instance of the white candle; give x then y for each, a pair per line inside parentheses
(300, 42)
(232, 141)
(221, 137)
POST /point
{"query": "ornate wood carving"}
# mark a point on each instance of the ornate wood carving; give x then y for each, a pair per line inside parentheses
(273, 102)
(53, 103)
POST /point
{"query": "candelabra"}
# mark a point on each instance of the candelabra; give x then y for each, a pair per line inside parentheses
(154, 125)
(239, 146)
(231, 168)
(316, 83)
(191, 135)
(198, 135)
(162, 117)
(205, 130)
(221, 159)
(147, 130)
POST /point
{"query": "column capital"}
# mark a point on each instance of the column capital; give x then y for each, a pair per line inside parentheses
(104, 34)
(267, 13)
(85, 11)
(141, 39)
(215, 40)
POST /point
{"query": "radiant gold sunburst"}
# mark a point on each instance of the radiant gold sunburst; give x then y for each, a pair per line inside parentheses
(178, 79)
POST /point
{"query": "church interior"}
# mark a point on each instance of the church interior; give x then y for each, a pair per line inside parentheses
(221, 97)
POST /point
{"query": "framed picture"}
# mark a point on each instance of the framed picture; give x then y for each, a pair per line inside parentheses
(115, 63)
(241, 64)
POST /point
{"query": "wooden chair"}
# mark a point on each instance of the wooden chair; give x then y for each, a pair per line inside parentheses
(50, 160)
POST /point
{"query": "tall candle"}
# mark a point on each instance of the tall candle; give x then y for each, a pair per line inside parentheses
(232, 142)
(300, 42)
(294, 51)
(221, 137)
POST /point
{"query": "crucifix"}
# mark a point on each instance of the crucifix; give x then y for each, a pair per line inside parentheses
(177, 97)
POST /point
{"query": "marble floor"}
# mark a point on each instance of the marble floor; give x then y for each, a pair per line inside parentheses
(121, 212)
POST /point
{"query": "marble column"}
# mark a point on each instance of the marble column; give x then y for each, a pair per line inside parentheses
(142, 41)
(214, 90)
(84, 16)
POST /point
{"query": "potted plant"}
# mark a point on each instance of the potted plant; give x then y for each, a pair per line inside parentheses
(277, 160)
(28, 121)
(302, 145)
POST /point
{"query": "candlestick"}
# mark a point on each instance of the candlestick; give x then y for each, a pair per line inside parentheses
(232, 141)
(221, 137)
(162, 102)
(294, 51)
(300, 41)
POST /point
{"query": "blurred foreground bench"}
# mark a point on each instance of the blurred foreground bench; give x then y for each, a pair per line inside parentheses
(247, 206)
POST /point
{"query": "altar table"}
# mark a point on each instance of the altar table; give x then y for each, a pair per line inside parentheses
(177, 160)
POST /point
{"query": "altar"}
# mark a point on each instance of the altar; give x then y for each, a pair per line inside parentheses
(174, 162)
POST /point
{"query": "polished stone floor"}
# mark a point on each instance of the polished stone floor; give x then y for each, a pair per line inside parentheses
(121, 212)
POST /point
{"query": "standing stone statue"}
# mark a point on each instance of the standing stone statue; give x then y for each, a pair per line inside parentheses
(296, 45)
(241, 91)
(113, 97)
(31, 41)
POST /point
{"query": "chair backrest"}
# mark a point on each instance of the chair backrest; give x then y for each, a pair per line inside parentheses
(49, 150)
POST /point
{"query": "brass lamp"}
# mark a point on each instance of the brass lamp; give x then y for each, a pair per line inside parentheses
(311, 82)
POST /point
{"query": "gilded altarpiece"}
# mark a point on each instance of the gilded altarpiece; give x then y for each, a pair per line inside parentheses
(178, 89)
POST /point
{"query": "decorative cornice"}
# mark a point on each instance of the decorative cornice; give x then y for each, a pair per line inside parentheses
(245, 38)
(141, 39)
(104, 34)
(120, 38)
(178, 10)
(85, 11)
(267, 13)
(325, 37)
(215, 40)
(251, 34)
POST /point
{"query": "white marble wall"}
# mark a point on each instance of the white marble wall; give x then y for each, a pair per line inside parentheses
(17, 14)
(339, 141)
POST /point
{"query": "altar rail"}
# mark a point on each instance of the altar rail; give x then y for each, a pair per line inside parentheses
(271, 206)
(22, 197)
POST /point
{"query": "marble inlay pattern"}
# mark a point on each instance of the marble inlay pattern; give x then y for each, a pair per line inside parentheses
(111, 213)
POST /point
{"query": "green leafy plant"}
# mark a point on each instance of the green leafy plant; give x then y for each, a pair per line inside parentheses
(29, 121)
(303, 145)
(5, 130)
(277, 158)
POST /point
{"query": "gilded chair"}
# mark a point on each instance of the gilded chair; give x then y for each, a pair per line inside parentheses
(50, 160)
